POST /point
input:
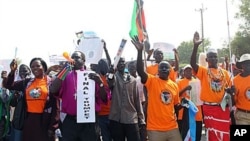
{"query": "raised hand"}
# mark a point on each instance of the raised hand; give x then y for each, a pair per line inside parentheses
(104, 43)
(175, 50)
(138, 44)
(4, 74)
(196, 40)
(13, 65)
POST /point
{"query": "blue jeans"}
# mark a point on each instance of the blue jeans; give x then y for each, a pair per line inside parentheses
(103, 122)
(15, 135)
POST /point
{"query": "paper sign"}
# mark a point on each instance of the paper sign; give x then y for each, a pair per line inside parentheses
(92, 48)
(85, 98)
(166, 48)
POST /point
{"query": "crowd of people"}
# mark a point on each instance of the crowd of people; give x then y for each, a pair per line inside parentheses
(133, 102)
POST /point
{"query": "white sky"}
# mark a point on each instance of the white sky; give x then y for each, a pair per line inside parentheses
(42, 27)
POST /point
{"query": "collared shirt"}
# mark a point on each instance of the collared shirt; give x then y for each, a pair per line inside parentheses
(125, 106)
(68, 94)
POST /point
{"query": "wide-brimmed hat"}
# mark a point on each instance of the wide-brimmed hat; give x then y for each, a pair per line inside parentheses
(243, 58)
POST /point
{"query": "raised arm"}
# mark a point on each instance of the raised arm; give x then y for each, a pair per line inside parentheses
(140, 66)
(106, 53)
(176, 57)
(197, 41)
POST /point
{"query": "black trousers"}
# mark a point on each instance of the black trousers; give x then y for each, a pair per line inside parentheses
(73, 131)
(120, 131)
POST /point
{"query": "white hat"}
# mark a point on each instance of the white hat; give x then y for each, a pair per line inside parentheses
(243, 58)
(187, 66)
(212, 50)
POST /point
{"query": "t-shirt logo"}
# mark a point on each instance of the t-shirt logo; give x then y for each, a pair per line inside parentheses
(166, 97)
(216, 85)
(35, 93)
(248, 93)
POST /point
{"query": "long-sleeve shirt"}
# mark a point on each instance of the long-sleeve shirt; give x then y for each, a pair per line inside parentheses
(126, 107)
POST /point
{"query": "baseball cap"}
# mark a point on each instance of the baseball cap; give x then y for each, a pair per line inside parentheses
(187, 66)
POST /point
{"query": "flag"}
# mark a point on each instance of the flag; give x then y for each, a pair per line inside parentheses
(188, 129)
(138, 25)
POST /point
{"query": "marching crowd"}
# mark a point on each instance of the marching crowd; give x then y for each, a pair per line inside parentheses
(133, 102)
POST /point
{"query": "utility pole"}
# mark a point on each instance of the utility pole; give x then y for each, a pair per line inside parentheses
(201, 10)
(229, 38)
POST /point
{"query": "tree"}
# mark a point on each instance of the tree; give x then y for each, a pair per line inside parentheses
(244, 15)
(185, 49)
(241, 41)
(240, 44)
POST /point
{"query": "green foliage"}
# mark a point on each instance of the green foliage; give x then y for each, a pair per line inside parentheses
(185, 50)
(244, 14)
(240, 44)
(241, 41)
(222, 53)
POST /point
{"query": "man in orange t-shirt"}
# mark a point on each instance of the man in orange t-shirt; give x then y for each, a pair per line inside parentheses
(158, 56)
(163, 96)
(242, 91)
(214, 81)
(185, 91)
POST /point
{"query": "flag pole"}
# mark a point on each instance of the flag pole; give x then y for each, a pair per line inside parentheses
(229, 39)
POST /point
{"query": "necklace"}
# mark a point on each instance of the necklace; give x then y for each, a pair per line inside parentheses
(217, 81)
(74, 77)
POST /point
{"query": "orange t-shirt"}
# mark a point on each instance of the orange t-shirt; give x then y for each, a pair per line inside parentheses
(153, 69)
(36, 104)
(160, 115)
(181, 85)
(207, 94)
(242, 87)
(105, 107)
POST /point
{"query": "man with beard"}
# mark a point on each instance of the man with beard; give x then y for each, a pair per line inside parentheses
(163, 95)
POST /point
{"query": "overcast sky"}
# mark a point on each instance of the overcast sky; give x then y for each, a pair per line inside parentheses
(44, 27)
